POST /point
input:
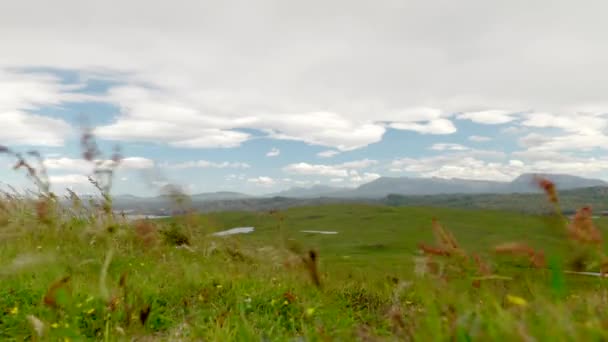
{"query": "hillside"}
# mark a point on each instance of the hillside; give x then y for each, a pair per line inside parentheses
(385, 186)
(570, 200)
(533, 203)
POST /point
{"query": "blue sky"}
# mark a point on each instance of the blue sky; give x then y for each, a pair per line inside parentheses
(254, 98)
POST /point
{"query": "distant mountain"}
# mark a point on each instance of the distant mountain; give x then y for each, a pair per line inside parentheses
(463, 193)
(532, 203)
(219, 196)
(312, 192)
(385, 186)
(562, 181)
(163, 203)
(423, 186)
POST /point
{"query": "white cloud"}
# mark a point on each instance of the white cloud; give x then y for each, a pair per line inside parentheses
(21, 93)
(337, 180)
(563, 162)
(489, 117)
(71, 179)
(317, 170)
(75, 182)
(68, 164)
(233, 177)
(565, 142)
(579, 123)
(357, 164)
(341, 95)
(262, 181)
(514, 130)
(456, 166)
(136, 163)
(479, 138)
(448, 147)
(365, 177)
(327, 153)
(204, 164)
(323, 128)
(336, 170)
(490, 166)
(81, 165)
(273, 152)
(20, 128)
(437, 126)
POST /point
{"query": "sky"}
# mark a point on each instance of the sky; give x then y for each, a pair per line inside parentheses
(260, 96)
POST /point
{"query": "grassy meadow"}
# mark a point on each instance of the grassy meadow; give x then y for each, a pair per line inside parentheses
(73, 274)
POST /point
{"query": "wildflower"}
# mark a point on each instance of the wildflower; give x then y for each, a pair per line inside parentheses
(310, 312)
(515, 300)
(54, 325)
(285, 303)
(432, 250)
(50, 296)
(582, 227)
(548, 187)
(538, 259)
(446, 241)
(14, 311)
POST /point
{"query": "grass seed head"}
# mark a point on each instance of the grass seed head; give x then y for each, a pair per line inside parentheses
(583, 229)
(548, 187)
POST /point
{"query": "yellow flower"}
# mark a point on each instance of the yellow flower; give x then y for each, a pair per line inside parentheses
(515, 300)
(219, 286)
(310, 312)
(285, 303)
(14, 311)
(54, 325)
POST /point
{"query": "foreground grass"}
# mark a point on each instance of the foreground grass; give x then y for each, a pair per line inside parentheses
(77, 277)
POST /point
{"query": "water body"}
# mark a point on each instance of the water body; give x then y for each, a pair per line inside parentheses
(233, 231)
(324, 232)
(133, 217)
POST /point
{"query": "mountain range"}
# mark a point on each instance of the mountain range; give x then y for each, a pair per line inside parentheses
(511, 195)
(385, 186)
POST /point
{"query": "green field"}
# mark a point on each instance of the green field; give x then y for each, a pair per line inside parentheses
(68, 274)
